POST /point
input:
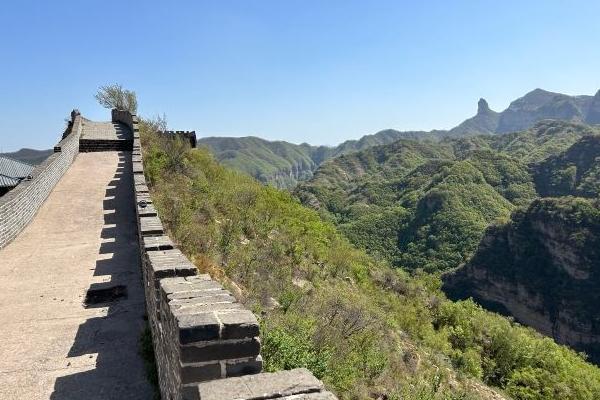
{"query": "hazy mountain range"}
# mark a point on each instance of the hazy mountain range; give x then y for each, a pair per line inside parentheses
(283, 164)
(29, 156)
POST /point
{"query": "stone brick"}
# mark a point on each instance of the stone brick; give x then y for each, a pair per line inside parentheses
(169, 263)
(190, 392)
(154, 243)
(238, 324)
(243, 367)
(220, 350)
(200, 373)
(198, 327)
(262, 386)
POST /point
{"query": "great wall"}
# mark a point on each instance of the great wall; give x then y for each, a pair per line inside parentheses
(85, 260)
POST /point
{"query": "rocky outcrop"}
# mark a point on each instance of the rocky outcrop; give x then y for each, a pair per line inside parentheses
(540, 104)
(484, 122)
(543, 268)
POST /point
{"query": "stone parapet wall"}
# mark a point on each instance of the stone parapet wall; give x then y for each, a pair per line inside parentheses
(188, 136)
(203, 337)
(19, 206)
(125, 117)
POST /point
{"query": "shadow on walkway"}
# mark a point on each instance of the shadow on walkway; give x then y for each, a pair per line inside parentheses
(113, 339)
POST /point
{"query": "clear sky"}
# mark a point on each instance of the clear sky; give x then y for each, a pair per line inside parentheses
(319, 71)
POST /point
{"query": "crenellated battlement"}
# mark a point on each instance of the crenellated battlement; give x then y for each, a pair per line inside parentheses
(189, 136)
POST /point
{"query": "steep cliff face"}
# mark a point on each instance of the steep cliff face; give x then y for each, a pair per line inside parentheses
(542, 268)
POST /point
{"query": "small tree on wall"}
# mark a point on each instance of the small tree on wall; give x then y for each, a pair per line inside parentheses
(114, 96)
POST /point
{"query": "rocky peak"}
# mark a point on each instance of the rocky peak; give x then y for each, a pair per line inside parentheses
(483, 107)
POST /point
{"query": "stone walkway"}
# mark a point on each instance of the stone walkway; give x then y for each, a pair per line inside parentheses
(54, 345)
(93, 130)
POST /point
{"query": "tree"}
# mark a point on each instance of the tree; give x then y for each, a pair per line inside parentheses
(114, 96)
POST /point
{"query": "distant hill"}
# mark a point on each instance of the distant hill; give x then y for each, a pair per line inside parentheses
(30, 156)
(526, 111)
(284, 164)
(575, 171)
(427, 204)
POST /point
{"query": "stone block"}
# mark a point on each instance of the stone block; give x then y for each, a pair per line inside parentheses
(151, 226)
(220, 350)
(198, 327)
(169, 263)
(238, 324)
(243, 367)
(263, 386)
(200, 373)
(156, 243)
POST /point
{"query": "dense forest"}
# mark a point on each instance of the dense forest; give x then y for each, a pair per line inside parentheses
(426, 205)
(368, 330)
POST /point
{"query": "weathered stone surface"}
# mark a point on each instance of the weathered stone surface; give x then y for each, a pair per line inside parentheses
(238, 324)
(169, 263)
(198, 327)
(220, 350)
(139, 179)
(138, 167)
(143, 196)
(151, 226)
(262, 386)
(141, 189)
(244, 367)
(200, 373)
(155, 243)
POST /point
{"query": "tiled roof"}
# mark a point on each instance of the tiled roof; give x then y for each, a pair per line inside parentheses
(6, 181)
(13, 171)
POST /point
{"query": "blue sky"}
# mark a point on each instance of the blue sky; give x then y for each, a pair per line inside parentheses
(304, 71)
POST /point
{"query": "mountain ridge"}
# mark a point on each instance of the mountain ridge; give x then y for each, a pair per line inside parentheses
(284, 164)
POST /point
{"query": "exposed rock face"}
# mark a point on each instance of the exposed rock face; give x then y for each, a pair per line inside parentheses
(483, 107)
(526, 111)
(543, 268)
(484, 122)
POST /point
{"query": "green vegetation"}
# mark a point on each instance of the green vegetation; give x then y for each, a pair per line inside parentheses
(426, 205)
(367, 330)
(576, 171)
(551, 251)
(115, 96)
(283, 164)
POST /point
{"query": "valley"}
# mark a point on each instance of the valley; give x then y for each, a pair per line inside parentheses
(460, 203)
